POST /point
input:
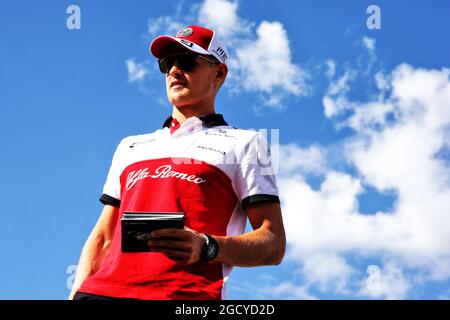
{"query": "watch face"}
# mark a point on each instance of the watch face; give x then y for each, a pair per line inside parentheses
(211, 251)
(210, 248)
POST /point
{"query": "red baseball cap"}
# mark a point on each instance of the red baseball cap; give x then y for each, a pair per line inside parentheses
(194, 38)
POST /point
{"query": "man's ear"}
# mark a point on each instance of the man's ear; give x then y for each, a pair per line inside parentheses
(222, 72)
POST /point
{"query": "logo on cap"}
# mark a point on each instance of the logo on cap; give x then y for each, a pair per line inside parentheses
(220, 52)
(185, 32)
(188, 43)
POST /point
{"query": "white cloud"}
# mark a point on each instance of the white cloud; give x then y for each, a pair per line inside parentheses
(264, 64)
(270, 287)
(369, 43)
(288, 290)
(381, 81)
(393, 149)
(168, 25)
(328, 271)
(341, 86)
(331, 68)
(221, 16)
(163, 25)
(310, 160)
(136, 71)
(335, 101)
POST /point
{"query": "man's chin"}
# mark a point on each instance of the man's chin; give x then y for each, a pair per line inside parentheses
(181, 103)
(180, 99)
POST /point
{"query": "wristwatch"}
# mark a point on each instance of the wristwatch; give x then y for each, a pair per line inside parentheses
(210, 248)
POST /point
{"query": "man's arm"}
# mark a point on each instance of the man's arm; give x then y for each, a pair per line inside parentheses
(96, 246)
(265, 245)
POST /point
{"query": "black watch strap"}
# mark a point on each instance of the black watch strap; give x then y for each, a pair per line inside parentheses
(210, 248)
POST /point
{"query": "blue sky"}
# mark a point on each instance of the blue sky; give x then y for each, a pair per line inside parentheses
(363, 120)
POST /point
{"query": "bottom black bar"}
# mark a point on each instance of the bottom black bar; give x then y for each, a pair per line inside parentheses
(229, 309)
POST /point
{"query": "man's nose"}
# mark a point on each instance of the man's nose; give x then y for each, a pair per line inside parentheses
(175, 69)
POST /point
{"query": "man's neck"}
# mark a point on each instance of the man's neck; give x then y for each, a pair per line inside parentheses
(185, 112)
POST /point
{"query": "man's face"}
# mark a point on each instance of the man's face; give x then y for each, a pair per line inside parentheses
(191, 87)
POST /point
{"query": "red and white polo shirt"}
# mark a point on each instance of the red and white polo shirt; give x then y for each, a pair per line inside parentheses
(205, 168)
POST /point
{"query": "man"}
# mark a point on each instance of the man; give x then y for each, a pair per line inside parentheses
(196, 164)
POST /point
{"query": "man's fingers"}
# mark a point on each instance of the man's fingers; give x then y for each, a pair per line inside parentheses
(179, 245)
(170, 232)
(171, 244)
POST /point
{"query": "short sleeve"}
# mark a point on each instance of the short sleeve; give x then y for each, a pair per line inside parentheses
(111, 188)
(254, 178)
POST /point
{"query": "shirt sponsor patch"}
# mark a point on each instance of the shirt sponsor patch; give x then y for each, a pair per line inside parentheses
(164, 171)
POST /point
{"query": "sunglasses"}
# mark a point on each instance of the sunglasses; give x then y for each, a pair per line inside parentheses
(185, 61)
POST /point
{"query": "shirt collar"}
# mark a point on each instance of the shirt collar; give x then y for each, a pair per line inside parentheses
(210, 120)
